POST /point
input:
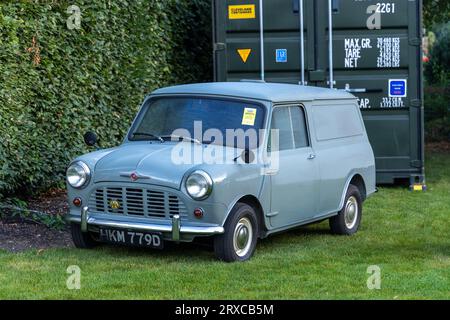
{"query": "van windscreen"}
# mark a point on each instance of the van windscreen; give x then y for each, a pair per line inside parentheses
(198, 117)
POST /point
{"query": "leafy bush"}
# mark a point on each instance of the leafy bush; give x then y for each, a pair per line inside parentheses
(57, 83)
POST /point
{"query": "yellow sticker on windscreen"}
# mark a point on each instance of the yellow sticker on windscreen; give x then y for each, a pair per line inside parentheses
(249, 117)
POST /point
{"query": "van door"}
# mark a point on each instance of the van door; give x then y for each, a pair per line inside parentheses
(295, 185)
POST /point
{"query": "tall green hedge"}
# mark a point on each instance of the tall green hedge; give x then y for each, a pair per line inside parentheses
(57, 83)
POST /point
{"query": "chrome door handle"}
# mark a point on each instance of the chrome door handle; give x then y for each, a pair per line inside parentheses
(311, 156)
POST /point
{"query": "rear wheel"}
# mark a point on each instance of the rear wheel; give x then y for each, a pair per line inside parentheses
(238, 243)
(80, 239)
(348, 221)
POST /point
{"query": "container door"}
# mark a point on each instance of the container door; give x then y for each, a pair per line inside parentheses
(237, 40)
(377, 56)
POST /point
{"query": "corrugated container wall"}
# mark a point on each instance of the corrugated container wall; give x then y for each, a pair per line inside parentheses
(376, 55)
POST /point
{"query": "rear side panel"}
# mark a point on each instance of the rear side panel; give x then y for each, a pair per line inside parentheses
(382, 67)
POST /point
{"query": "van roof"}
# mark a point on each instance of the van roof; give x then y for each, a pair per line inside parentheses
(275, 92)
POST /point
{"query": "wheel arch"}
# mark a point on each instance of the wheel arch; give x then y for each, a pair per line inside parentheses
(254, 202)
(357, 180)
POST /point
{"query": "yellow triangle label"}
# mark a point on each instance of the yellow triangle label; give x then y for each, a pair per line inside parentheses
(244, 53)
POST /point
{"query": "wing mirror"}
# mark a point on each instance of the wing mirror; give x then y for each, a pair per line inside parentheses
(90, 138)
(248, 156)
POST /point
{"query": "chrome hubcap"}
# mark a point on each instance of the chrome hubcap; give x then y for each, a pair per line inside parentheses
(243, 235)
(351, 212)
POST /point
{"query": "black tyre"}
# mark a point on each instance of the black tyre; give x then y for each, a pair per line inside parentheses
(80, 239)
(238, 243)
(348, 221)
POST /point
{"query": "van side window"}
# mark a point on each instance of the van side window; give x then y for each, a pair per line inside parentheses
(299, 127)
(337, 121)
(291, 125)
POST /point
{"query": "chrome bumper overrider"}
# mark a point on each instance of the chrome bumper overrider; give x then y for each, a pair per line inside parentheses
(175, 228)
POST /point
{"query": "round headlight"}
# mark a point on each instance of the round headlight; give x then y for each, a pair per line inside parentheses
(199, 185)
(78, 174)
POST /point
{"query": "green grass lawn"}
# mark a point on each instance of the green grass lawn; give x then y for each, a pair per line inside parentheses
(406, 234)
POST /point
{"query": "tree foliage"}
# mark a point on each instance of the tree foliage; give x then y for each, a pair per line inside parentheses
(57, 83)
(435, 12)
(437, 94)
(438, 69)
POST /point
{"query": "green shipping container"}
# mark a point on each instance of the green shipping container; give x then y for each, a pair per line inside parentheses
(376, 54)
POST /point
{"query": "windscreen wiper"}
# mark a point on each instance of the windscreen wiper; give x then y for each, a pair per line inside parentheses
(172, 136)
(151, 135)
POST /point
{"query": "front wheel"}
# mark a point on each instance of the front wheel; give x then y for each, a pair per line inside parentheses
(348, 221)
(238, 243)
(82, 240)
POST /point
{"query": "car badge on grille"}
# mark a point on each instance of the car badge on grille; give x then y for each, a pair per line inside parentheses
(134, 176)
(114, 204)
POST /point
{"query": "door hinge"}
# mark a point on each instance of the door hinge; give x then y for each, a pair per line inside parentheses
(416, 164)
(219, 46)
(416, 103)
(415, 42)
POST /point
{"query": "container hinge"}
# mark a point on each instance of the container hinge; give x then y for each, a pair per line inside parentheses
(416, 164)
(416, 103)
(415, 42)
(219, 46)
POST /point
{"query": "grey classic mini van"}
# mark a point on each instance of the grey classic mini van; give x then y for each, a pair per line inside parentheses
(235, 162)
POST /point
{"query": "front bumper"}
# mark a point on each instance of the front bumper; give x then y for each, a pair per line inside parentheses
(174, 230)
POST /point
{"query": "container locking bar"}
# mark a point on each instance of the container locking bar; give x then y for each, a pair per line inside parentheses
(330, 42)
(261, 36)
(302, 42)
(360, 90)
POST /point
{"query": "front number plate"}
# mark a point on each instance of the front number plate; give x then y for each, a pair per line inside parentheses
(132, 238)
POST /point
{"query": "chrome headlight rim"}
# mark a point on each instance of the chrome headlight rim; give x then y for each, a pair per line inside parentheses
(86, 178)
(209, 183)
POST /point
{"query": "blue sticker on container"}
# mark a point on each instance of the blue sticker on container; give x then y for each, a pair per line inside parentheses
(398, 88)
(282, 55)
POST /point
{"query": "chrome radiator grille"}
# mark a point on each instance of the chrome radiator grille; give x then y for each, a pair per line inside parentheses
(136, 202)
